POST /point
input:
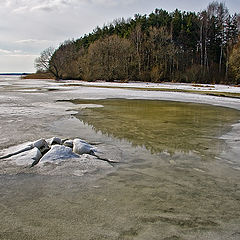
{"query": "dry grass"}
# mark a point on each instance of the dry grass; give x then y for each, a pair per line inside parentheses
(39, 76)
(199, 85)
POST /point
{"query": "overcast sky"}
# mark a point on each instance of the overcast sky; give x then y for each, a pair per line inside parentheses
(29, 26)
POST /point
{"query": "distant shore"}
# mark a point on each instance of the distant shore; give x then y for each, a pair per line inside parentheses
(219, 90)
(38, 76)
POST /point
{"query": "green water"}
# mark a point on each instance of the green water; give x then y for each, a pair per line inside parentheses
(160, 126)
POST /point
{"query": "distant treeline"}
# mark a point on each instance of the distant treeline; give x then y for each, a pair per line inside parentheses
(178, 46)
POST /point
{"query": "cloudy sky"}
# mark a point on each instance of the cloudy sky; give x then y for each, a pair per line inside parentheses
(29, 26)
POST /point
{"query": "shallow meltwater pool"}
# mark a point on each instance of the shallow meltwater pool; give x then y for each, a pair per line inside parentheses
(160, 126)
(172, 181)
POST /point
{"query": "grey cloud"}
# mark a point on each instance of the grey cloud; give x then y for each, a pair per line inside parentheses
(113, 2)
(17, 63)
(44, 8)
(4, 51)
(23, 41)
(21, 6)
(20, 9)
(12, 53)
(22, 55)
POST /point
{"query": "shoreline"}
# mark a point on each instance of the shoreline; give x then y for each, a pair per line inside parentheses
(182, 92)
(70, 90)
(231, 138)
(195, 196)
(163, 85)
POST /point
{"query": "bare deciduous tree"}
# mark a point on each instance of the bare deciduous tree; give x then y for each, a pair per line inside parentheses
(42, 63)
(47, 62)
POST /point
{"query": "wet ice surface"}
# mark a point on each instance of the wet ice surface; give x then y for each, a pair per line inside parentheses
(180, 86)
(148, 196)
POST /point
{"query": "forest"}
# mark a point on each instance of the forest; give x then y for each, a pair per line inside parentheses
(177, 46)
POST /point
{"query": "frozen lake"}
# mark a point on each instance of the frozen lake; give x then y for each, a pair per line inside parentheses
(178, 173)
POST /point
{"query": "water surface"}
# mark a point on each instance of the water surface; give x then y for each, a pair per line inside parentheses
(160, 126)
(172, 182)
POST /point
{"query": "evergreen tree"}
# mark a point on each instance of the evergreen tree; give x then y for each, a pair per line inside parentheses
(163, 46)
